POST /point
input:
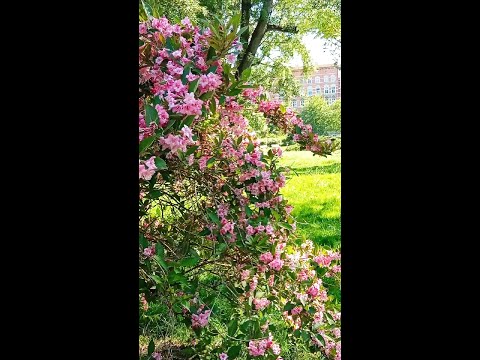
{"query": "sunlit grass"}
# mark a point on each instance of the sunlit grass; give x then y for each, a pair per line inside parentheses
(314, 191)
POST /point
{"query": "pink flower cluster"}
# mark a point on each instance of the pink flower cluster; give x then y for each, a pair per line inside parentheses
(200, 320)
(174, 143)
(149, 251)
(261, 304)
(259, 347)
(146, 169)
(209, 82)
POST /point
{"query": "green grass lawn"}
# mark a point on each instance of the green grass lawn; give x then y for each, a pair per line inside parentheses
(313, 189)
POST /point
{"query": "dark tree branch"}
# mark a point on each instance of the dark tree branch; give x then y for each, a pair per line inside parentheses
(288, 29)
(257, 36)
(246, 6)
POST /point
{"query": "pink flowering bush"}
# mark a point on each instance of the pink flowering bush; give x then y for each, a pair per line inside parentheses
(213, 223)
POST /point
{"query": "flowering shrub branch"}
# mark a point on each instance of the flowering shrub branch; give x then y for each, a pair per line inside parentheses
(210, 201)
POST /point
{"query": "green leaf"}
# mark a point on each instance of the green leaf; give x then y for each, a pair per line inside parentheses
(213, 216)
(246, 73)
(213, 106)
(145, 143)
(240, 32)
(210, 162)
(233, 92)
(190, 261)
(188, 120)
(248, 211)
(283, 109)
(192, 87)
(186, 71)
(206, 96)
(155, 194)
(159, 249)
(250, 147)
(160, 260)
(177, 278)
(233, 352)
(211, 53)
(160, 163)
(245, 326)
(220, 248)
(285, 225)
(320, 338)
(235, 21)
(232, 327)
(222, 99)
(212, 69)
(143, 242)
(305, 335)
(151, 115)
(191, 150)
(156, 278)
(151, 347)
(205, 232)
(288, 306)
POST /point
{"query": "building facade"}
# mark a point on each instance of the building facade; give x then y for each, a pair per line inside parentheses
(324, 81)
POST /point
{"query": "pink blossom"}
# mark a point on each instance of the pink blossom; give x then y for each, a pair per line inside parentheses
(223, 356)
(271, 280)
(231, 58)
(187, 132)
(276, 264)
(162, 115)
(227, 227)
(202, 162)
(144, 173)
(313, 290)
(222, 210)
(157, 356)
(200, 320)
(261, 304)
(151, 163)
(253, 283)
(149, 251)
(250, 230)
(336, 268)
(191, 77)
(142, 28)
(177, 53)
(174, 143)
(296, 310)
(266, 257)
(244, 275)
(269, 229)
(276, 349)
(323, 260)
(336, 332)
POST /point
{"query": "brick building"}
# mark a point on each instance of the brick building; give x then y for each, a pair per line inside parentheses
(324, 81)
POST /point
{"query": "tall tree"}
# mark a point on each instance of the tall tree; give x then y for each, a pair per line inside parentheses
(274, 32)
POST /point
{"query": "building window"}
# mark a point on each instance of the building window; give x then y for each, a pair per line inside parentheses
(325, 78)
(309, 81)
(309, 91)
(333, 78)
(302, 102)
(318, 90)
(333, 89)
(330, 101)
(325, 89)
(317, 79)
(294, 103)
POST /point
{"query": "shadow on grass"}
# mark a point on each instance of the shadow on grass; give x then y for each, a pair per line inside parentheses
(320, 169)
(324, 231)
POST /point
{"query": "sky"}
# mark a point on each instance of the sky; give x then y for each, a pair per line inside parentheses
(319, 52)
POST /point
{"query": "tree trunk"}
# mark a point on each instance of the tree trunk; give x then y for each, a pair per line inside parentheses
(257, 36)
